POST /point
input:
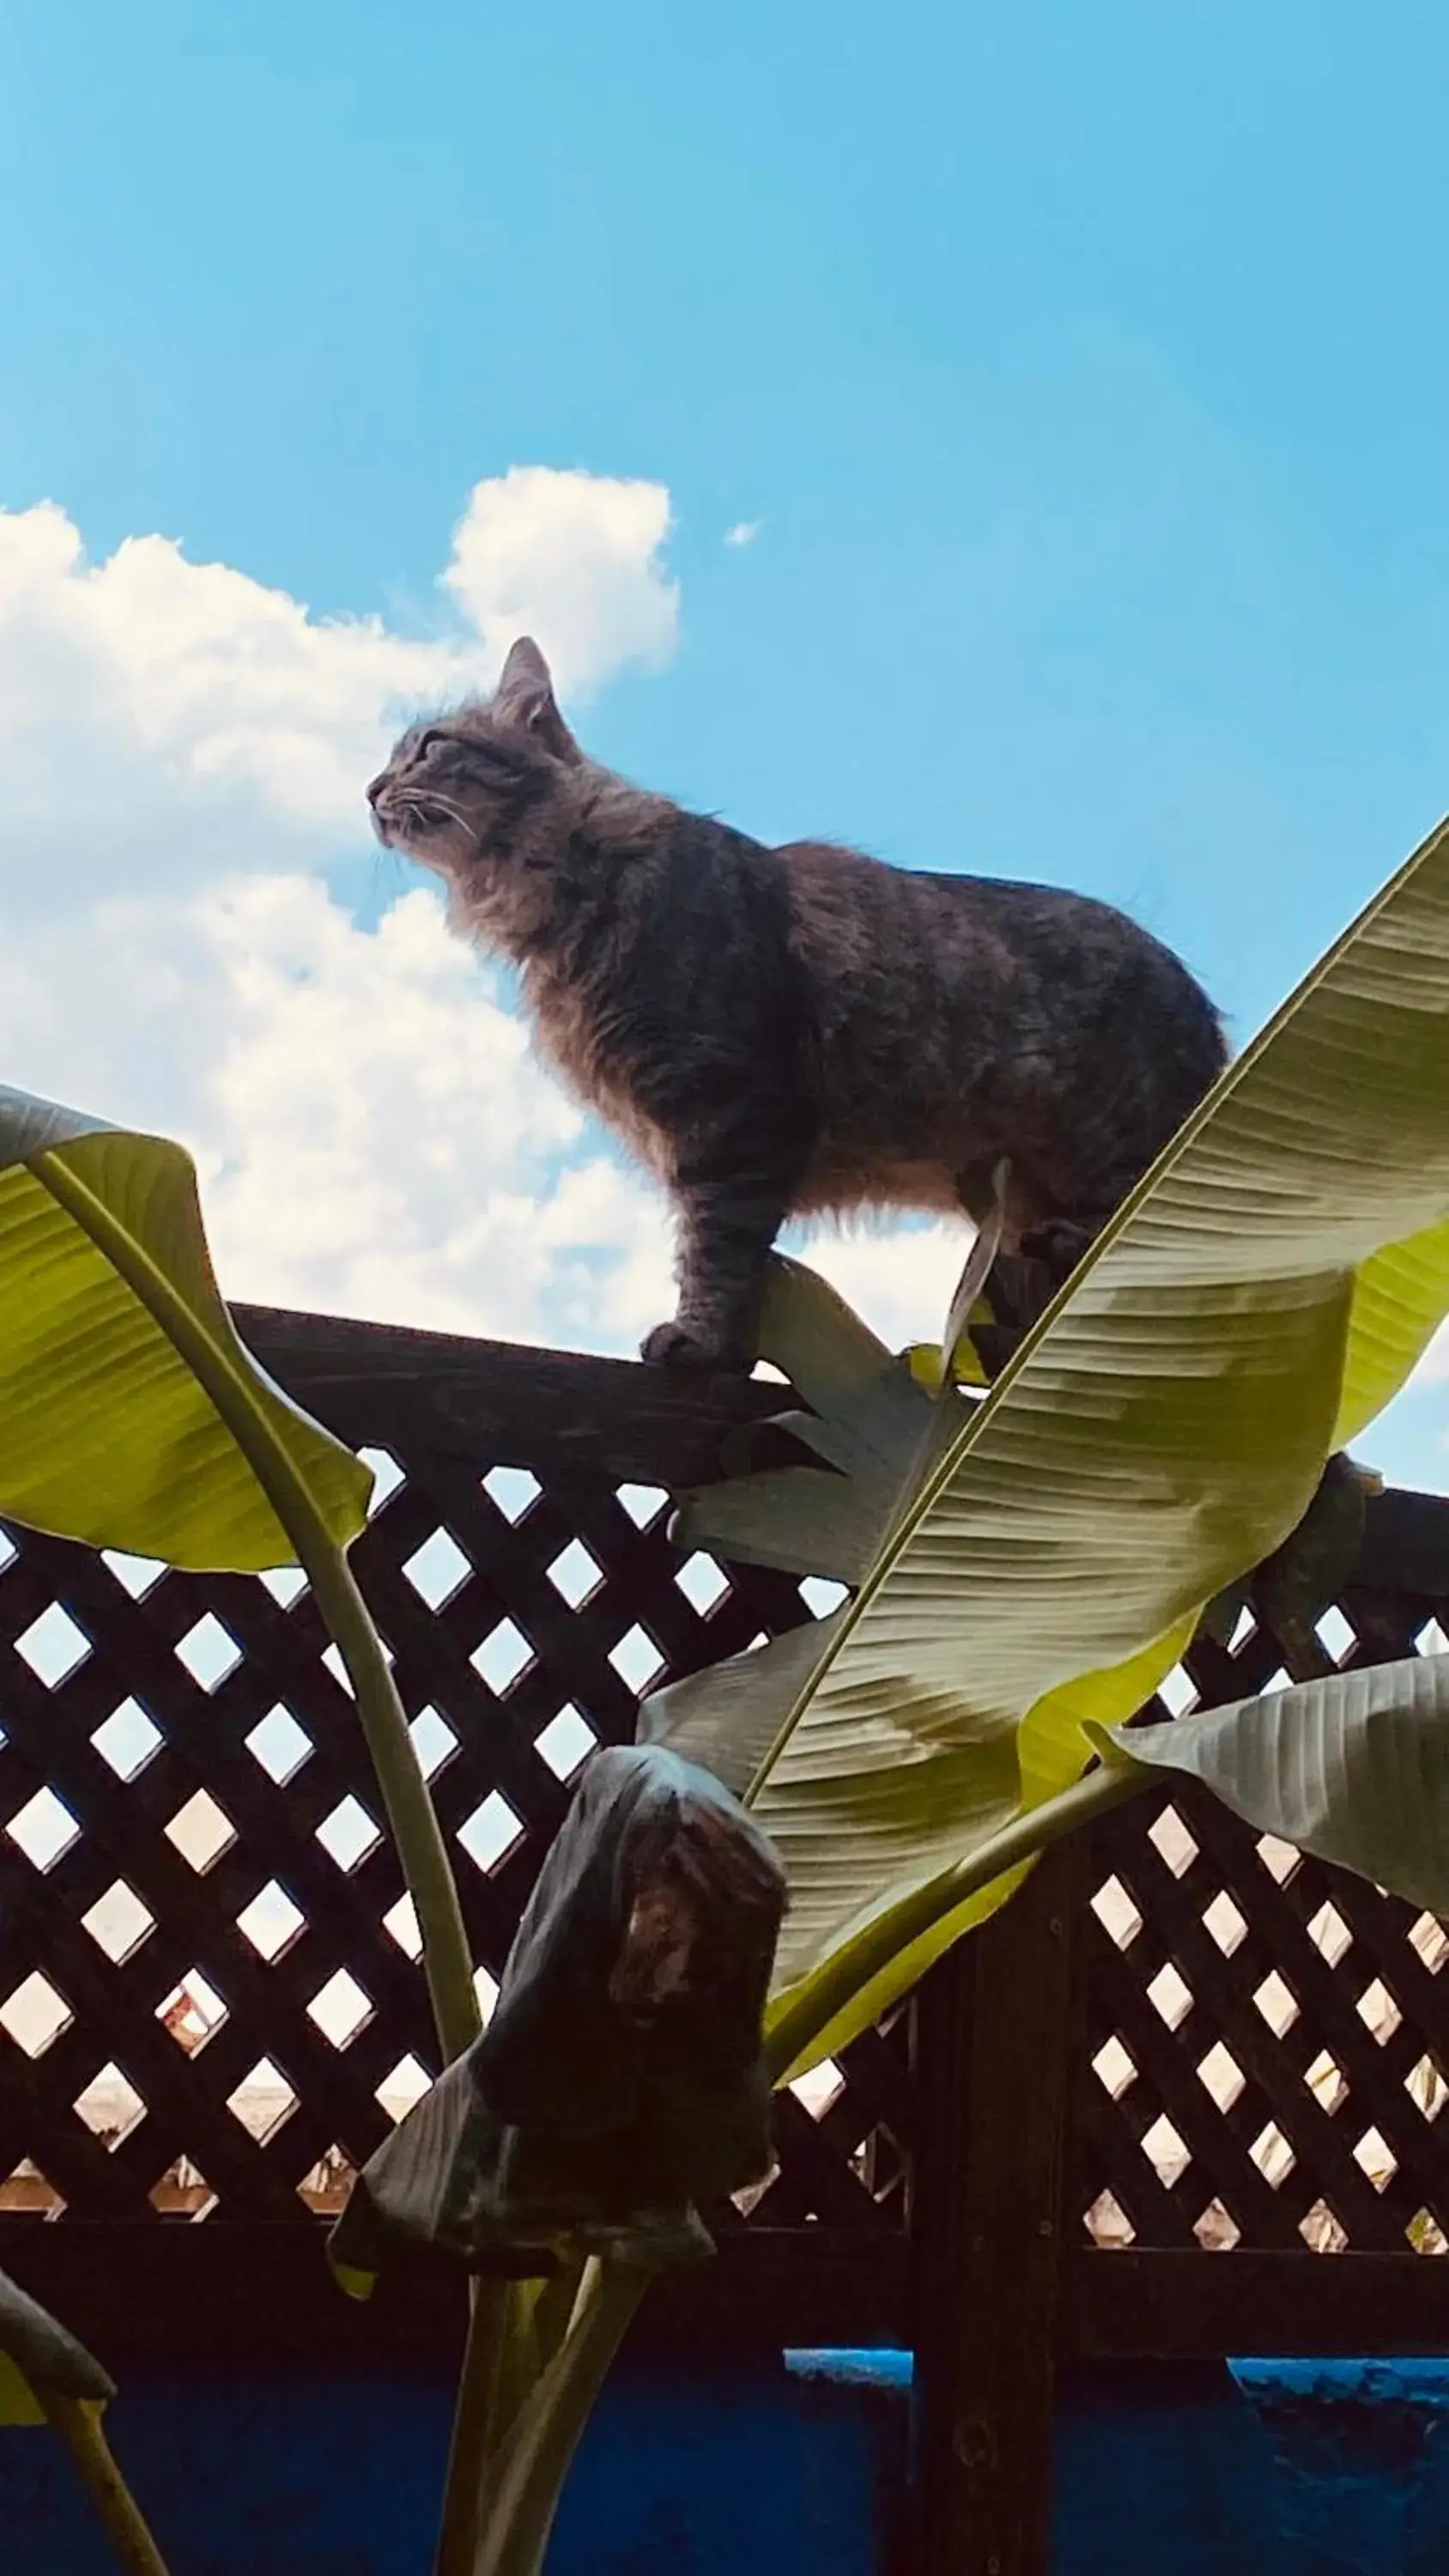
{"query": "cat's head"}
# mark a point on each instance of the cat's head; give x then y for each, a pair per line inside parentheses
(461, 791)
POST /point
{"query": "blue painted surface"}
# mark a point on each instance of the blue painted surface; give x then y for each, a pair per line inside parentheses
(702, 2474)
(1249, 2469)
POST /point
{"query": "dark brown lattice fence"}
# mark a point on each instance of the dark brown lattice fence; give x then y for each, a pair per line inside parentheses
(209, 1997)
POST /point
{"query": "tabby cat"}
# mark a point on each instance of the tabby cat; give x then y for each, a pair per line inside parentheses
(799, 1031)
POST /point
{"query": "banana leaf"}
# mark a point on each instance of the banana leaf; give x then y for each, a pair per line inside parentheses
(1262, 1293)
(123, 1382)
(1353, 1767)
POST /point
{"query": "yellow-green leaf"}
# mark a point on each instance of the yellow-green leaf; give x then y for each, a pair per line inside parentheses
(121, 1374)
(1353, 1767)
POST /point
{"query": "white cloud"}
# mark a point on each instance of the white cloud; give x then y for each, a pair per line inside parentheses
(162, 721)
(576, 561)
(744, 532)
(182, 749)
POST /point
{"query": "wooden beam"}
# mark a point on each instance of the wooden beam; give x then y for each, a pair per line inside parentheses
(504, 1405)
(1124, 2306)
(161, 2292)
(994, 2068)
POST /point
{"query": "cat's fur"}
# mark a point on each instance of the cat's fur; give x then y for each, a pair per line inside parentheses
(797, 1031)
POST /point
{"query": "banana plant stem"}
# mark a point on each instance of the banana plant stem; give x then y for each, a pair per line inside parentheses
(411, 1816)
(530, 2467)
(474, 2424)
(1028, 1835)
(78, 2422)
(415, 1830)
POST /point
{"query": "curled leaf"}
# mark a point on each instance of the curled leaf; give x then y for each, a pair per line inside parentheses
(619, 2081)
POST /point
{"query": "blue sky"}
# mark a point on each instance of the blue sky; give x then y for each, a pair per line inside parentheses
(1085, 373)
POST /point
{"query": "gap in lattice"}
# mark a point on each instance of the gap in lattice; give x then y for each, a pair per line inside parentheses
(403, 2087)
(209, 1651)
(127, 1739)
(1116, 1912)
(1113, 2068)
(566, 1742)
(54, 1645)
(349, 1833)
(201, 1830)
(118, 1922)
(504, 1653)
(1321, 2230)
(182, 2192)
(110, 2105)
(1170, 1995)
(1378, 2011)
(1107, 2222)
(262, 2101)
(702, 1582)
(387, 1475)
(1329, 1930)
(1173, 1841)
(1277, 2003)
(271, 1922)
(28, 2191)
(1216, 2230)
(1376, 2158)
(575, 1574)
(279, 1744)
(191, 2012)
(44, 1829)
(490, 1832)
(820, 1595)
(1426, 2087)
(1221, 2075)
(1326, 2081)
(1335, 1635)
(340, 2009)
(35, 2014)
(1166, 2151)
(135, 1574)
(1226, 1921)
(326, 2186)
(637, 1659)
(437, 1569)
(514, 1490)
(817, 2090)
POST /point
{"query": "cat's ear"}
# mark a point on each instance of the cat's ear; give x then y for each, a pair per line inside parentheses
(524, 702)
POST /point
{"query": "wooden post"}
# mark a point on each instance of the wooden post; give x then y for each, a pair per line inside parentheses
(995, 2073)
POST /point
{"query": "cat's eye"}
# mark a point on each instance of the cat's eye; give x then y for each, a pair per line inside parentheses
(428, 740)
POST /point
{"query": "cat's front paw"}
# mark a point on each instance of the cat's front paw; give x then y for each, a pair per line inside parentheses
(673, 1345)
(1059, 1243)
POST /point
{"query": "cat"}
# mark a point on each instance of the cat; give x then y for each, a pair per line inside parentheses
(800, 1031)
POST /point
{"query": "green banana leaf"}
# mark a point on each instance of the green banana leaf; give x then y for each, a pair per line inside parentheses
(1262, 1293)
(40, 2358)
(871, 1423)
(122, 1377)
(1354, 1768)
